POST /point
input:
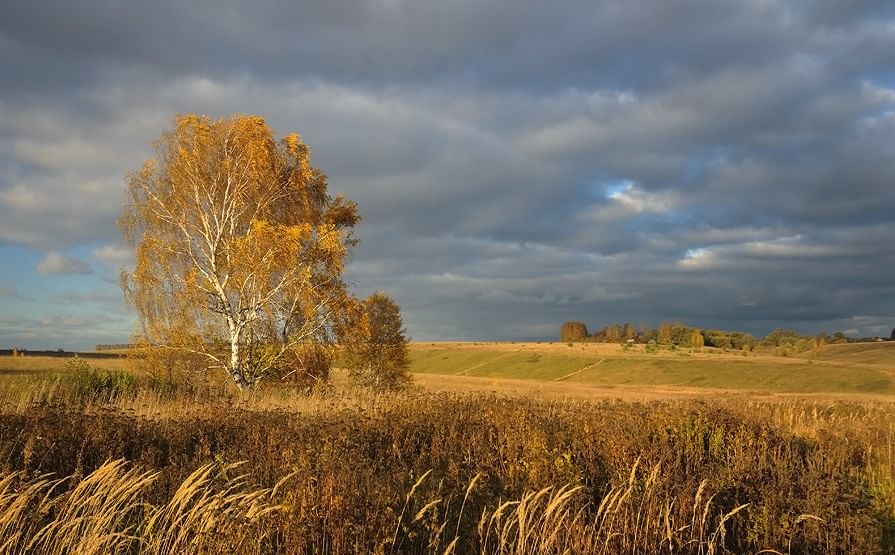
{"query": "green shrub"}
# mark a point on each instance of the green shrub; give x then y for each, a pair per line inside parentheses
(77, 365)
(91, 383)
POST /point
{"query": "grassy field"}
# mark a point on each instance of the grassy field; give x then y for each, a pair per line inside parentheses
(498, 448)
(592, 370)
(839, 369)
(41, 365)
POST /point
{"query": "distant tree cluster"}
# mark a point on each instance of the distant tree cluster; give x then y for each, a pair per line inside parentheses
(786, 342)
(615, 333)
(782, 341)
(723, 339)
(667, 333)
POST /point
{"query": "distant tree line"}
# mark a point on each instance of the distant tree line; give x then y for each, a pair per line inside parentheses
(114, 346)
(783, 341)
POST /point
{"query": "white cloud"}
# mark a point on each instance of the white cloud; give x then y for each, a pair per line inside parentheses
(639, 201)
(57, 263)
(113, 255)
(625, 203)
(698, 259)
(787, 249)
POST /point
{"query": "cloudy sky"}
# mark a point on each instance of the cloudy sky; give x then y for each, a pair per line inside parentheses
(517, 163)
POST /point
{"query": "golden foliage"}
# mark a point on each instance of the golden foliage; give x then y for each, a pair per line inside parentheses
(697, 341)
(377, 352)
(238, 243)
(573, 331)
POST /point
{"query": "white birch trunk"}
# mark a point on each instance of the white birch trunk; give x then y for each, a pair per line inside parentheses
(235, 362)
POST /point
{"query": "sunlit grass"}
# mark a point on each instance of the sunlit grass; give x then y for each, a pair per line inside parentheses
(680, 368)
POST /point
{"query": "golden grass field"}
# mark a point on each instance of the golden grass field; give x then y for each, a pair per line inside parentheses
(24, 365)
(515, 448)
(599, 370)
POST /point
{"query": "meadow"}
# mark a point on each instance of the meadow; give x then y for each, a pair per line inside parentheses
(497, 448)
(863, 368)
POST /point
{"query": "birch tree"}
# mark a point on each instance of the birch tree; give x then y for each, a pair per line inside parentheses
(239, 248)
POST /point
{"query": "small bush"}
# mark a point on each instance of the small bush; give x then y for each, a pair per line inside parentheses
(90, 383)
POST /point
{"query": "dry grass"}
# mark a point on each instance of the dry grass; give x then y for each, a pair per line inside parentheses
(210, 513)
(873, 354)
(349, 472)
(492, 466)
(105, 512)
(631, 518)
(28, 365)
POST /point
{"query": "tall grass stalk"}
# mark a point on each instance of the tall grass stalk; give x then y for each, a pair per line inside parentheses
(106, 512)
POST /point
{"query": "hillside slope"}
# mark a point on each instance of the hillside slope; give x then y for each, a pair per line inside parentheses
(830, 370)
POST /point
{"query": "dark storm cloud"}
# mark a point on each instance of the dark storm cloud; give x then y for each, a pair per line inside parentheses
(530, 45)
(517, 165)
